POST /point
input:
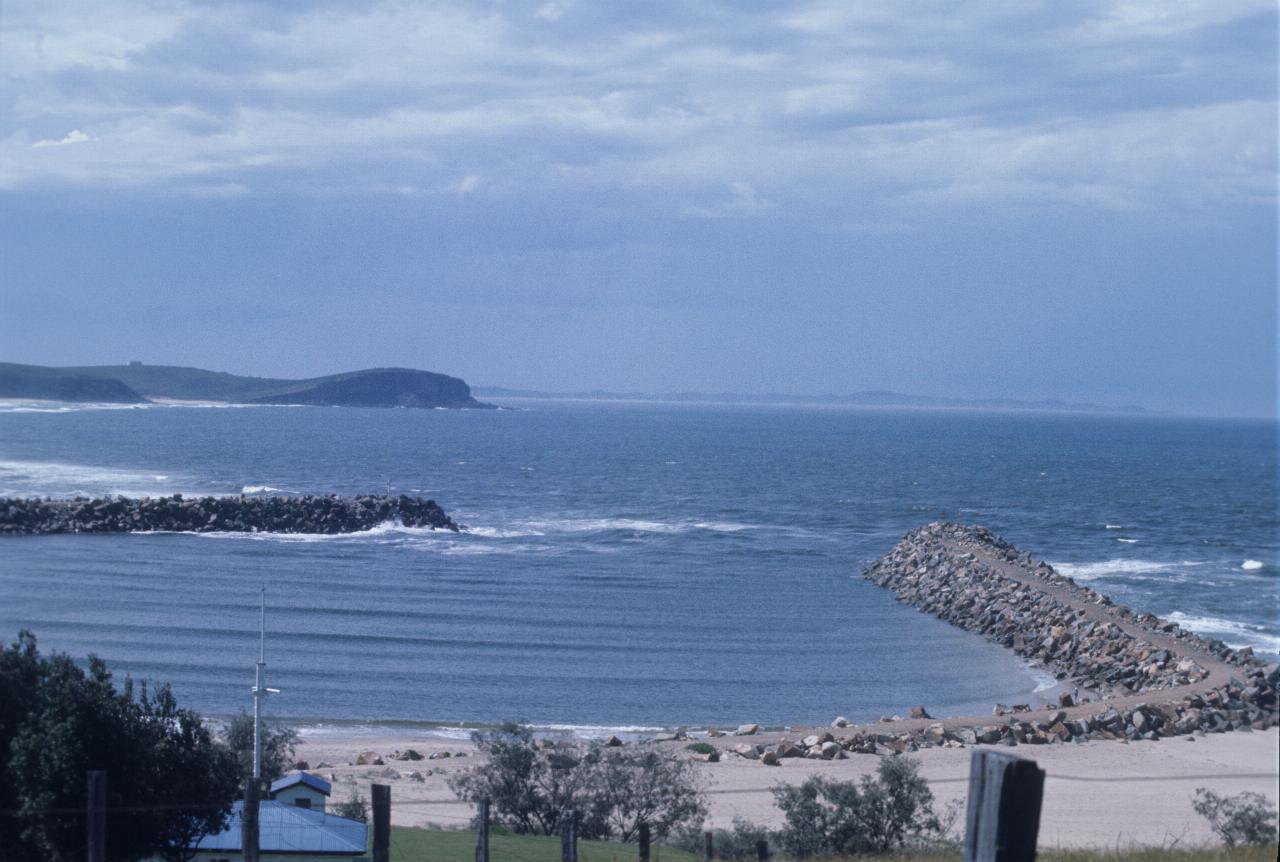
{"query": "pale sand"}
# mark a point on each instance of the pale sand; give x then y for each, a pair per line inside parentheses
(1101, 794)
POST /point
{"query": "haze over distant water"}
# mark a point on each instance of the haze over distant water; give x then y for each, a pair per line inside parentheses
(641, 564)
(1072, 200)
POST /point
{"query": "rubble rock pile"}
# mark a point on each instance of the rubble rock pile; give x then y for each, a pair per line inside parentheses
(275, 514)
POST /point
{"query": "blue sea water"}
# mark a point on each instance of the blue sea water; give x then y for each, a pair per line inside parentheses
(627, 565)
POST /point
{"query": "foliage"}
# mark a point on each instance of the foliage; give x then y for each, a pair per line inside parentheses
(169, 782)
(612, 790)
(628, 787)
(737, 844)
(278, 744)
(355, 808)
(700, 747)
(1246, 818)
(892, 810)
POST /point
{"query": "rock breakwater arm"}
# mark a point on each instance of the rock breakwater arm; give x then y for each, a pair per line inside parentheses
(1145, 677)
(327, 514)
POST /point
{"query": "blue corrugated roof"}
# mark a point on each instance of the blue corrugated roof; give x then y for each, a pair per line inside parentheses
(312, 781)
(284, 828)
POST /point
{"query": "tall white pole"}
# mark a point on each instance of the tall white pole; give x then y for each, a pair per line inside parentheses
(259, 686)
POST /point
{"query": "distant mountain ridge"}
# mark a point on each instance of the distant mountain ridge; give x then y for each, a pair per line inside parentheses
(870, 398)
(137, 383)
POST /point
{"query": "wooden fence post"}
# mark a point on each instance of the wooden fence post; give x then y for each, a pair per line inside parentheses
(708, 846)
(762, 850)
(381, 798)
(482, 831)
(249, 820)
(569, 835)
(96, 815)
(643, 841)
(1003, 816)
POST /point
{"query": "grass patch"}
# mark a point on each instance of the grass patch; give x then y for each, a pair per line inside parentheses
(442, 845)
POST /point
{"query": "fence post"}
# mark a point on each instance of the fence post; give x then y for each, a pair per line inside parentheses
(482, 831)
(249, 820)
(643, 841)
(762, 850)
(96, 815)
(381, 797)
(708, 846)
(1003, 816)
(569, 835)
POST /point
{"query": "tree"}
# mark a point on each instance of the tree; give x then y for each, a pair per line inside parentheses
(278, 744)
(528, 785)
(884, 812)
(168, 782)
(628, 787)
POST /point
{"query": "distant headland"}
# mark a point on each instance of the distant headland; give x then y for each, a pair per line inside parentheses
(137, 383)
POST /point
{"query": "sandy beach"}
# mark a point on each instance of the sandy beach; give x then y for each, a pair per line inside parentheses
(1099, 794)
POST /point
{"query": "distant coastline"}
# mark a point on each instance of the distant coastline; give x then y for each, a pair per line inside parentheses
(870, 398)
(137, 383)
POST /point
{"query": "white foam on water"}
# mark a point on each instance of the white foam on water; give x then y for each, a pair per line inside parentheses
(1234, 633)
(60, 479)
(264, 489)
(636, 525)
(1089, 571)
(1252, 565)
(387, 531)
(1113, 526)
(1128, 541)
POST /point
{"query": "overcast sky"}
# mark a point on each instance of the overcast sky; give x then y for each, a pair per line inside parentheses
(1019, 199)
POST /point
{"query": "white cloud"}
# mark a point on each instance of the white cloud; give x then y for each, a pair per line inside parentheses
(1100, 104)
(75, 136)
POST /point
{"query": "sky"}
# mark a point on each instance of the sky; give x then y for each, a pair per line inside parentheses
(974, 199)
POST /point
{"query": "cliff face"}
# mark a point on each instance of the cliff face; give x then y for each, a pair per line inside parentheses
(379, 387)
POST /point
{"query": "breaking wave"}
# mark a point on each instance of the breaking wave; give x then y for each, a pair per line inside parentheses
(1236, 634)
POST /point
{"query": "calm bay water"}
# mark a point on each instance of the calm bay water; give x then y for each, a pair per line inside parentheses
(626, 564)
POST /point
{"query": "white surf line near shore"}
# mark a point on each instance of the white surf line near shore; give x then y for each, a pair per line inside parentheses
(66, 479)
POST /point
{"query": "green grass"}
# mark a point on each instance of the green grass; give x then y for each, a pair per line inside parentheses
(441, 845)
(409, 844)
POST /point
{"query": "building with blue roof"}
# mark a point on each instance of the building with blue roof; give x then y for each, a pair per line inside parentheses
(292, 825)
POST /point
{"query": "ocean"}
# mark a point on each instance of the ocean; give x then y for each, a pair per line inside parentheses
(626, 565)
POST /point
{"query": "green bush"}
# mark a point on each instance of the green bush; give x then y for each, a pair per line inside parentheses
(890, 811)
(700, 747)
(1247, 818)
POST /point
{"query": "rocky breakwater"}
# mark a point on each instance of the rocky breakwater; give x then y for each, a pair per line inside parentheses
(1139, 677)
(326, 514)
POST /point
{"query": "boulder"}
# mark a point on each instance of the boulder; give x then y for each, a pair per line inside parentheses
(920, 712)
(840, 721)
(747, 730)
(367, 758)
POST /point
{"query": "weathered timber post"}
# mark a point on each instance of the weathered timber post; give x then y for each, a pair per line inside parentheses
(762, 850)
(249, 820)
(1003, 816)
(381, 794)
(569, 835)
(482, 831)
(96, 815)
(708, 846)
(643, 841)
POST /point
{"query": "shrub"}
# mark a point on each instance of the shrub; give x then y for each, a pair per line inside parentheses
(612, 790)
(354, 808)
(628, 787)
(892, 810)
(700, 747)
(1246, 818)
(737, 844)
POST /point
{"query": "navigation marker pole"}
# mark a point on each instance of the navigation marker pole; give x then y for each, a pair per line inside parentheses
(260, 689)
